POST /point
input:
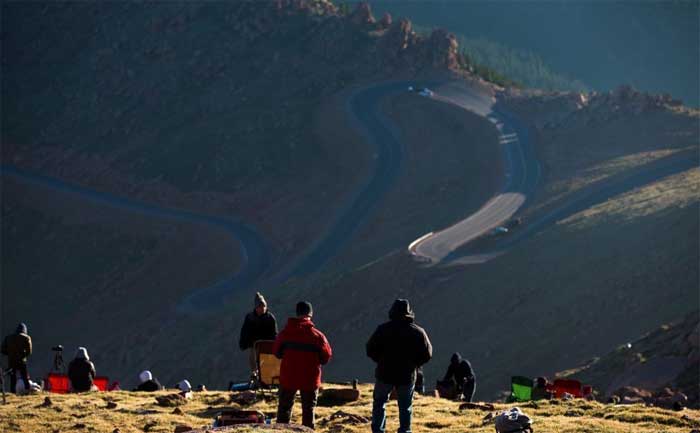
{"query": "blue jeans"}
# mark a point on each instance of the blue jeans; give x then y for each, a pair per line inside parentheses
(404, 394)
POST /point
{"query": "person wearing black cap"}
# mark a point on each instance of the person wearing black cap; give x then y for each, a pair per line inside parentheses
(460, 377)
(17, 347)
(399, 347)
(303, 349)
(259, 324)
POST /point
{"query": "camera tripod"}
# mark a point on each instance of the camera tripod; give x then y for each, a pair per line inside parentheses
(58, 365)
(4, 372)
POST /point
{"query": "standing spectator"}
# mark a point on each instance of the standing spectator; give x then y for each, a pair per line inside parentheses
(259, 324)
(399, 347)
(17, 347)
(460, 376)
(81, 371)
(147, 382)
(303, 349)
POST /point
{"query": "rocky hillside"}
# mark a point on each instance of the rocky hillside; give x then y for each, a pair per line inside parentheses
(207, 106)
(668, 357)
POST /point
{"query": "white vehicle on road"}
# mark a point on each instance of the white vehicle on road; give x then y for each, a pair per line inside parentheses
(423, 91)
(500, 230)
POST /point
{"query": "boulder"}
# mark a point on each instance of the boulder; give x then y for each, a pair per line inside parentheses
(338, 396)
(362, 15)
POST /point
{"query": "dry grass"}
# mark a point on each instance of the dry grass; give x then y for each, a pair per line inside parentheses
(138, 412)
(677, 191)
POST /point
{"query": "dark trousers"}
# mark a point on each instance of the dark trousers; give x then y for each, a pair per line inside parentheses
(22, 370)
(469, 389)
(308, 406)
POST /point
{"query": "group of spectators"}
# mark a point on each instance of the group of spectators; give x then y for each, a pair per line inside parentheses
(399, 347)
(81, 370)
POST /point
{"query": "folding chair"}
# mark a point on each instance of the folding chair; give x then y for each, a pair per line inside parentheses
(521, 388)
(57, 383)
(570, 386)
(268, 365)
(101, 382)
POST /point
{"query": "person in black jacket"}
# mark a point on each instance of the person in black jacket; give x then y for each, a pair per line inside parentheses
(259, 324)
(399, 347)
(148, 382)
(81, 371)
(460, 376)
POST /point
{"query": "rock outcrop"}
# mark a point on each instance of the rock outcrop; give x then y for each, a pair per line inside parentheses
(633, 372)
(553, 110)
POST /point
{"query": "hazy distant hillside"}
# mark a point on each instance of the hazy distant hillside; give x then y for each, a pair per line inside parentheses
(652, 45)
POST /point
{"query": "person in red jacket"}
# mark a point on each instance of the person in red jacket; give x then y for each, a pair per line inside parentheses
(303, 349)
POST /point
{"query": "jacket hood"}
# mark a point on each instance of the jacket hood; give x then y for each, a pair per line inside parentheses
(21, 328)
(145, 376)
(401, 310)
(82, 353)
(184, 386)
(300, 322)
(456, 358)
(259, 300)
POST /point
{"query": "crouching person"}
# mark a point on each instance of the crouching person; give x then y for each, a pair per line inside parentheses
(303, 349)
(399, 347)
(81, 372)
(148, 383)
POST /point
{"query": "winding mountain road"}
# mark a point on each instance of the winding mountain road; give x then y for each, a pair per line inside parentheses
(253, 247)
(521, 176)
(447, 246)
(588, 197)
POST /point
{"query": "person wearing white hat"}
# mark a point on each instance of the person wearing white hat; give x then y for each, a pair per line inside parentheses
(81, 371)
(147, 382)
(185, 388)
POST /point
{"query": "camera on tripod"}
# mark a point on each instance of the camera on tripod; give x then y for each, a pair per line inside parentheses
(58, 365)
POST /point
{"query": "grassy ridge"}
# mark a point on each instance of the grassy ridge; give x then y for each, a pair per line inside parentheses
(138, 412)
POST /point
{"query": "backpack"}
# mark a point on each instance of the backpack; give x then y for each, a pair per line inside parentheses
(513, 421)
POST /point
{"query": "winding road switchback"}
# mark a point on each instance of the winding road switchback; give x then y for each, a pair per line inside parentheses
(253, 247)
(521, 176)
(590, 196)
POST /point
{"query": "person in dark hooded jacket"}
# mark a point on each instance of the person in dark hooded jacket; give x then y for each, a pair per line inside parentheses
(399, 347)
(259, 324)
(81, 371)
(17, 347)
(460, 375)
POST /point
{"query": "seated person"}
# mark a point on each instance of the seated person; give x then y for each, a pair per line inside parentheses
(539, 391)
(459, 377)
(81, 372)
(185, 388)
(148, 382)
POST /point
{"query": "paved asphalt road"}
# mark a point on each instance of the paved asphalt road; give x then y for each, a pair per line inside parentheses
(590, 196)
(447, 245)
(253, 247)
(521, 176)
